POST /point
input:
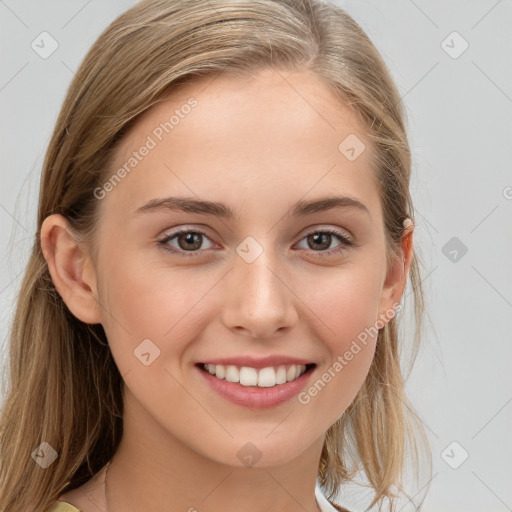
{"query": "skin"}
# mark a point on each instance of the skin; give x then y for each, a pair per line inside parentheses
(257, 145)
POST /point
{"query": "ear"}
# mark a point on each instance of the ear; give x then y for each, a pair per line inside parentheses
(71, 269)
(396, 277)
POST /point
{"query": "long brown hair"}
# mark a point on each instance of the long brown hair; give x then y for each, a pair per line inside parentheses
(64, 387)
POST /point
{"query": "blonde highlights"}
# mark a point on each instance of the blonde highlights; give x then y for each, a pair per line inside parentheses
(64, 387)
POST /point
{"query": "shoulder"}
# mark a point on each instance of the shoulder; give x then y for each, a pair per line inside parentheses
(62, 506)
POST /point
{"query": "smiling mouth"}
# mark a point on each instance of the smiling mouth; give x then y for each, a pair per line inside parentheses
(257, 377)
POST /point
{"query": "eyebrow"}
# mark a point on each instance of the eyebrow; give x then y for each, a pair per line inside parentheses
(299, 209)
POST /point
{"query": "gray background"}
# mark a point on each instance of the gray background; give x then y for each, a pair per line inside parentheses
(460, 112)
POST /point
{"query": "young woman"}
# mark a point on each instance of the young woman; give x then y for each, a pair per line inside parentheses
(209, 318)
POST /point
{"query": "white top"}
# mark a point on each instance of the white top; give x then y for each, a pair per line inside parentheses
(322, 501)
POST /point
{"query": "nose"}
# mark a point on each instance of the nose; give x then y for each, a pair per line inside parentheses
(259, 300)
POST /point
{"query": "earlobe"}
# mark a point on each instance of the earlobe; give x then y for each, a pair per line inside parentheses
(396, 278)
(71, 269)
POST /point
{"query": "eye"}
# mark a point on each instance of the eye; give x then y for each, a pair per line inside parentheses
(322, 239)
(189, 241)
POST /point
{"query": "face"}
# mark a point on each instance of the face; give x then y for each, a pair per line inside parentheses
(275, 284)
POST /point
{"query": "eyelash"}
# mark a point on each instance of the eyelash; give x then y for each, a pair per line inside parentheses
(345, 242)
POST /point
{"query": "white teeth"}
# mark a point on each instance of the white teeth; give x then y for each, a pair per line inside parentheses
(291, 373)
(232, 373)
(248, 376)
(220, 371)
(281, 375)
(267, 377)
(263, 378)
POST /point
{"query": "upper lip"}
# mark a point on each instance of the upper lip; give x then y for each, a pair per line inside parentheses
(257, 362)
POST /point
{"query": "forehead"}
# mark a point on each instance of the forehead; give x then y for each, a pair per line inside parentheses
(275, 130)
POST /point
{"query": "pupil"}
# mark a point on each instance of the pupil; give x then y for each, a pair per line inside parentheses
(320, 236)
(189, 239)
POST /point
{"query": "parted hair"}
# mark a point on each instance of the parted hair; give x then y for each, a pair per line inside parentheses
(63, 386)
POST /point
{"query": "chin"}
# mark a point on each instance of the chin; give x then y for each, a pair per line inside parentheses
(260, 451)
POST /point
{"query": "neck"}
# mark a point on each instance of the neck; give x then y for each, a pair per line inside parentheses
(150, 471)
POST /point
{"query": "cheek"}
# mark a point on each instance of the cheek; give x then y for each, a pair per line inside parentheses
(159, 304)
(347, 306)
(346, 301)
(151, 322)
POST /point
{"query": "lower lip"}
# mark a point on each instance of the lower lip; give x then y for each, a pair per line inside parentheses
(255, 397)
